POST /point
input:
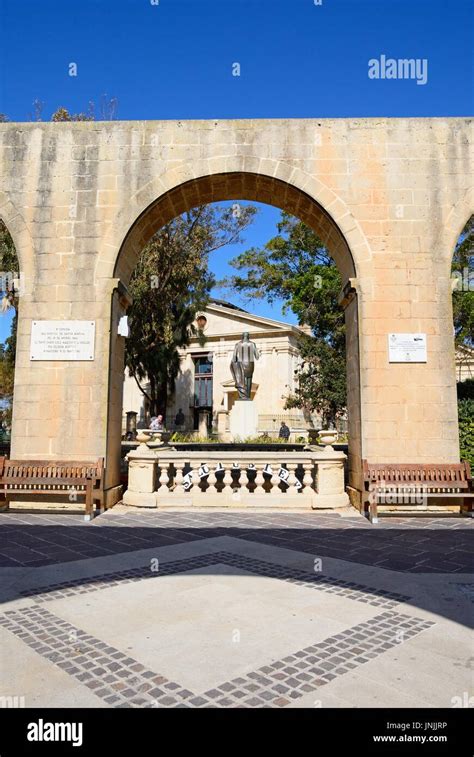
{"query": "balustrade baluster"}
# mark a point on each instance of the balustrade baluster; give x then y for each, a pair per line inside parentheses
(194, 477)
(190, 478)
(259, 479)
(244, 479)
(275, 479)
(164, 478)
(292, 489)
(308, 478)
(178, 478)
(211, 480)
(228, 480)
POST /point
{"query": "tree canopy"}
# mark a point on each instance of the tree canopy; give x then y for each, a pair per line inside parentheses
(170, 283)
(463, 295)
(295, 266)
(9, 299)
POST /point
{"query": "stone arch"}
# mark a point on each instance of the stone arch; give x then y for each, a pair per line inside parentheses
(457, 221)
(219, 179)
(458, 216)
(164, 198)
(24, 251)
(451, 227)
(22, 240)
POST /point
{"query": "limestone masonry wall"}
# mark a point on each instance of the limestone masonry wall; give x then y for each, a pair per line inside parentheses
(388, 196)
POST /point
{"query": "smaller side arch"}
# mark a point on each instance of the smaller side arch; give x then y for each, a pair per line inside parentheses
(22, 240)
(458, 217)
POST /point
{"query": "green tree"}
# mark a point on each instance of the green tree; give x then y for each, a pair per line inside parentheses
(107, 111)
(466, 429)
(170, 283)
(7, 376)
(294, 266)
(463, 295)
(9, 287)
(62, 114)
(9, 272)
(466, 389)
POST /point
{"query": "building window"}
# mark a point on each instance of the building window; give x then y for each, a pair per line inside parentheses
(202, 387)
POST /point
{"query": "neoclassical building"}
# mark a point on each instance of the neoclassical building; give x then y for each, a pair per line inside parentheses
(464, 363)
(204, 383)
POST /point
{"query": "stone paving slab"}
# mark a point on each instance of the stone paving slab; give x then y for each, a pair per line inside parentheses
(123, 681)
(109, 630)
(35, 681)
(413, 674)
(203, 630)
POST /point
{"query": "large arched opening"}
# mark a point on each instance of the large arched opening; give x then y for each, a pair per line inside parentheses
(243, 186)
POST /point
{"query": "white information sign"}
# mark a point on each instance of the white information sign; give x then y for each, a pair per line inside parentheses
(407, 348)
(62, 340)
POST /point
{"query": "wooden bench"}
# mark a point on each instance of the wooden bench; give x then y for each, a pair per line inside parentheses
(54, 477)
(416, 484)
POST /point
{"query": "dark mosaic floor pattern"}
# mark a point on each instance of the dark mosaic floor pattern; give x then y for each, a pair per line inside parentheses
(347, 589)
(411, 544)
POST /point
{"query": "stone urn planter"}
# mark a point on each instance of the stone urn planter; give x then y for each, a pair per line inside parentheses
(142, 437)
(158, 438)
(327, 438)
(146, 436)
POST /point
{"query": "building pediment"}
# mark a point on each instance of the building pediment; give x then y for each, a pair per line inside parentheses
(222, 321)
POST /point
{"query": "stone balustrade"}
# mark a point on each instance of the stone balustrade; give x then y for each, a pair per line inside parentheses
(165, 477)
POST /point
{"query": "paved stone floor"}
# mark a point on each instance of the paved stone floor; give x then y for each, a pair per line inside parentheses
(226, 609)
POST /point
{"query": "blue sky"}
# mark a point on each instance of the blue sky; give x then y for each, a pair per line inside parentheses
(174, 60)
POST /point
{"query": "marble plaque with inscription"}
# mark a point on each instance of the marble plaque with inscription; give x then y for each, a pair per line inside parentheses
(407, 348)
(62, 340)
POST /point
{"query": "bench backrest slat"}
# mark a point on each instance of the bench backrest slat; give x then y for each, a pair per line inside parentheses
(57, 482)
(51, 473)
(442, 476)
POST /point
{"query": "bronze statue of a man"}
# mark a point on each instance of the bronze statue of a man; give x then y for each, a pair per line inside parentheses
(242, 365)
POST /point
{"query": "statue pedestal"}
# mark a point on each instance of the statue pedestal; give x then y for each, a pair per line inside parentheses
(243, 420)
